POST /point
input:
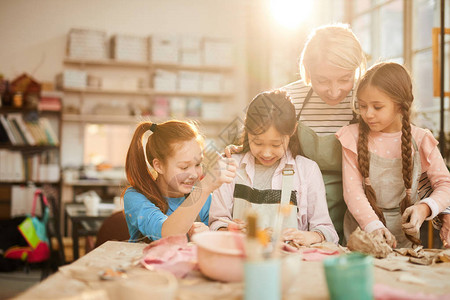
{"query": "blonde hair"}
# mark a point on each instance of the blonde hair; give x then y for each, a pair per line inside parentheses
(395, 81)
(338, 45)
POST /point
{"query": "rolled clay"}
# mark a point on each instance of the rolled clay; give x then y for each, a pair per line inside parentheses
(368, 243)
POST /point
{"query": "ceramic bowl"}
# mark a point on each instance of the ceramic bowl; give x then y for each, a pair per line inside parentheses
(221, 255)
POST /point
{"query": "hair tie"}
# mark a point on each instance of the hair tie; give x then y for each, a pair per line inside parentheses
(408, 192)
(153, 127)
(367, 181)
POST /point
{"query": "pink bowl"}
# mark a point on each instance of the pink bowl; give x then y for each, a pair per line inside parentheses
(220, 254)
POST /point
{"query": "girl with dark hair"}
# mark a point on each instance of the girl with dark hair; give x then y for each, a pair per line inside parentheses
(168, 198)
(384, 157)
(270, 155)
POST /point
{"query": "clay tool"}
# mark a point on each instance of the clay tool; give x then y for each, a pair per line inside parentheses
(238, 175)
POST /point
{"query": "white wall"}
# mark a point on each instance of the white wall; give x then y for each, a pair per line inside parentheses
(33, 36)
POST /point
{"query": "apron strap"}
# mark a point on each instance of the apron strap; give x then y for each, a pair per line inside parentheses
(287, 184)
(308, 96)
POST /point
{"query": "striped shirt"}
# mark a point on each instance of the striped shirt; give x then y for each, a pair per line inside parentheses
(324, 119)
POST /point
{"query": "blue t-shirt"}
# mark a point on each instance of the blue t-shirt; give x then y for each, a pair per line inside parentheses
(144, 217)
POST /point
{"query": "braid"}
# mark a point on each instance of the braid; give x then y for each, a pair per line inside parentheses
(364, 166)
(407, 162)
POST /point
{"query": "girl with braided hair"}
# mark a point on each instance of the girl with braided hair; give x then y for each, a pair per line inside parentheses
(168, 191)
(384, 157)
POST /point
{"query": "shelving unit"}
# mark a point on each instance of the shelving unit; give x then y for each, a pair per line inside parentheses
(26, 151)
(148, 94)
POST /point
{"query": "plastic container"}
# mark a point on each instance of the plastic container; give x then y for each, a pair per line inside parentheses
(350, 276)
(262, 280)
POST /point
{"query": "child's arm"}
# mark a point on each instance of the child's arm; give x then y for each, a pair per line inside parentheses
(433, 164)
(221, 206)
(319, 220)
(181, 220)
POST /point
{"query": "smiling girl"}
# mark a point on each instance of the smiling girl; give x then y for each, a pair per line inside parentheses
(384, 157)
(271, 148)
(168, 201)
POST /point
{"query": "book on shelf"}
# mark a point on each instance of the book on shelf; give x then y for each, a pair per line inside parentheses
(40, 167)
(12, 166)
(52, 138)
(6, 127)
(18, 137)
(25, 133)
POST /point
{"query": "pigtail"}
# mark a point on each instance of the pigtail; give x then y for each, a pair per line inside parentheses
(294, 144)
(364, 166)
(138, 174)
(407, 162)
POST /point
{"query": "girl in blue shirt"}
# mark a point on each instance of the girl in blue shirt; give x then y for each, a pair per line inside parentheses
(169, 197)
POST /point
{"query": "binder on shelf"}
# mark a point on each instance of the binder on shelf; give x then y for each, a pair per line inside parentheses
(49, 132)
(6, 126)
(16, 132)
(23, 128)
(4, 138)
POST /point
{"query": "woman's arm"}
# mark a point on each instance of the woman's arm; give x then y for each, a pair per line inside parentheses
(319, 220)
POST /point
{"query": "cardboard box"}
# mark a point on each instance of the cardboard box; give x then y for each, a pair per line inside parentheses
(129, 48)
(164, 49)
(87, 44)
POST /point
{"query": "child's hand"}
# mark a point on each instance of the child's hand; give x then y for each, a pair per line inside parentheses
(387, 235)
(238, 225)
(231, 149)
(413, 218)
(444, 233)
(197, 227)
(303, 238)
(223, 171)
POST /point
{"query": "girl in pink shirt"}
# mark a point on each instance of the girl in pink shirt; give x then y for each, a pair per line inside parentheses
(270, 155)
(384, 157)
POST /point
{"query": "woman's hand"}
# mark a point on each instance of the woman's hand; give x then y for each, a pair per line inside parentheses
(444, 233)
(413, 218)
(223, 171)
(387, 236)
(197, 227)
(303, 238)
(232, 149)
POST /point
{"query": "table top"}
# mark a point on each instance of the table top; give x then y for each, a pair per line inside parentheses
(78, 211)
(308, 284)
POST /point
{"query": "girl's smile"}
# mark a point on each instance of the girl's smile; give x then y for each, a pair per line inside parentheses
(268, 147)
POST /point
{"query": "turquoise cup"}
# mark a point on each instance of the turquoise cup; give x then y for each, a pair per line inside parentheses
(262, 280)
(350, 276)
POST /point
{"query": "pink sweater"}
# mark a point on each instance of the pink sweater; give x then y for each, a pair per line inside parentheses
(388, 145)
(311, 201)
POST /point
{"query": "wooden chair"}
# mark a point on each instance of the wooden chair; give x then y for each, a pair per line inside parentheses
(113, 228)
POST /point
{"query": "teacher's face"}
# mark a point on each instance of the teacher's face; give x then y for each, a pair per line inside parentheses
(331, 83)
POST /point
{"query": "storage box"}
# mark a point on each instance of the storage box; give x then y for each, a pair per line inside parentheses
(190, 51)
(188, 81)
(129, 48)
(211, 83)
(217, 52)
(71, 79)
(193, 107)
(161, 107)
(164, 49)
(165, 81)
(177, 107)
(213, 111)
(87, 44)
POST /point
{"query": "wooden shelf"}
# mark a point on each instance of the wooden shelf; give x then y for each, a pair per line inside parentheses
(28, 148)
(147, 92)
(28, 181)
(113, 119)
(148, 65)
(7, 110)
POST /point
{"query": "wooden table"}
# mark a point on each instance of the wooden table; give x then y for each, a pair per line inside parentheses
(309, 283)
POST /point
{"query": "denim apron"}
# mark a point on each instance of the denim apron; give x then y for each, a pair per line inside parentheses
(387, 181)
(326, 151)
